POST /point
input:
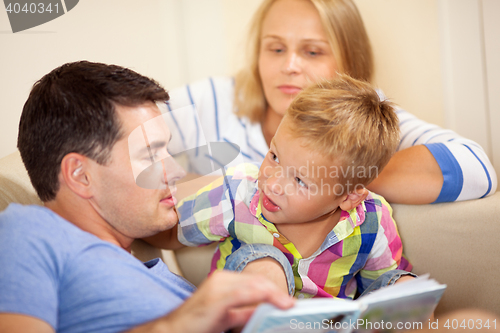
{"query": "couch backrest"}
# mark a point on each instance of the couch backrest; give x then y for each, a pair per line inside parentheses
(15, 185)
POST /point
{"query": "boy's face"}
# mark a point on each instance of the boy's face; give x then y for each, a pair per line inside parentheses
(294, 181)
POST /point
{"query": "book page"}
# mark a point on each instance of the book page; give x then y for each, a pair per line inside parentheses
(310, 315)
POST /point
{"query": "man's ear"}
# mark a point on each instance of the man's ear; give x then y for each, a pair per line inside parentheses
(354, 198)
(75, 174)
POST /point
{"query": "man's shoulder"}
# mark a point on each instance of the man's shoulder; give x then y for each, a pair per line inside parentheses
(32, 228)
(28, 218)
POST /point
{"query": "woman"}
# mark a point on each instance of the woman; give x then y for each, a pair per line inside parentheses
(295, 42)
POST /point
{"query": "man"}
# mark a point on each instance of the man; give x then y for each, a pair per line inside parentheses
(67, 266)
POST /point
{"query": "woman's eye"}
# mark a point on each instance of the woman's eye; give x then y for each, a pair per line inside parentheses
(314, 52)
(275, 47)
(300, 182)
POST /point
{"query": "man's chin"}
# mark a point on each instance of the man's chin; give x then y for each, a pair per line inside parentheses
(169, 219)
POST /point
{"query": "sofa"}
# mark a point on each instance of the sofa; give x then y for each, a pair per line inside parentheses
(456, 243)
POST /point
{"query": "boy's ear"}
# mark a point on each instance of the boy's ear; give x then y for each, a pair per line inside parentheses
(354, 198)
(75, 174)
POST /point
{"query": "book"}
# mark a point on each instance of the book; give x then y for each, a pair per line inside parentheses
(395, 308)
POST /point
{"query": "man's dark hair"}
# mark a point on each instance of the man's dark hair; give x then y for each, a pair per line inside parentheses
(72, 109)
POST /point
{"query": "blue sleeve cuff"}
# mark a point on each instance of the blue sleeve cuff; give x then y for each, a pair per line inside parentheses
(453, 178)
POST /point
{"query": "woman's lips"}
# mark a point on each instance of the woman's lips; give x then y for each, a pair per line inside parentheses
(289, 90)
(269, 205)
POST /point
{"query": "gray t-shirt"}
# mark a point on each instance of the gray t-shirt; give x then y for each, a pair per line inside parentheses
(54, 271)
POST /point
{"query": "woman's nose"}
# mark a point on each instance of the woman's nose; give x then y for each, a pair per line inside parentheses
(291, 65)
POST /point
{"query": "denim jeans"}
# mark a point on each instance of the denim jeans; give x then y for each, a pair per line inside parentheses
(247, 253)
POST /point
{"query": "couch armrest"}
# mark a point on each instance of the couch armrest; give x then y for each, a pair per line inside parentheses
(457, 244)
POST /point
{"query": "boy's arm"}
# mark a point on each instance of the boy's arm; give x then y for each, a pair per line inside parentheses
(204, 217)
(191, 184)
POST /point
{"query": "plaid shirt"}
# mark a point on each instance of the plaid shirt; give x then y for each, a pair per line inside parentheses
(362, 246)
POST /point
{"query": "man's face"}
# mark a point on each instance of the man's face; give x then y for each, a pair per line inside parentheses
(133, 211)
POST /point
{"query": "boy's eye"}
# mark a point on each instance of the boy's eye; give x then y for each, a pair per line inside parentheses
(300, 182)
(274, 157)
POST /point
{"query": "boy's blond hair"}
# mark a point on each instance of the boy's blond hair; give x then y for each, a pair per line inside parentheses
(348, 39)
(345, 120)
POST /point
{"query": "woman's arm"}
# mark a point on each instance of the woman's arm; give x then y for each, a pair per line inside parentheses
(412, 176)
(434, 165)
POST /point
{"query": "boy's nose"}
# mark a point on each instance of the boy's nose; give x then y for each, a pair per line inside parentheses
(274, 186)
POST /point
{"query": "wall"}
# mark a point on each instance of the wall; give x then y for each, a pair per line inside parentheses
(178, 41)
(123, 32)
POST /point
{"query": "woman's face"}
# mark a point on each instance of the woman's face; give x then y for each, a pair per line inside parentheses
(294, 52)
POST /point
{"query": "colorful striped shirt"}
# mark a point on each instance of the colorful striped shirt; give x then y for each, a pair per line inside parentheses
(363, 245)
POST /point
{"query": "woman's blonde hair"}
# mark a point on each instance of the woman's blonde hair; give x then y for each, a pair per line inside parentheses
(344, 120)
(347, 36)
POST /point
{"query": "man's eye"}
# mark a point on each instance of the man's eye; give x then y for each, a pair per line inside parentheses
(149, 158)
(274, 157)
(300, 182)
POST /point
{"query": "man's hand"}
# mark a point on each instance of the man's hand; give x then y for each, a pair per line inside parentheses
(223, 301)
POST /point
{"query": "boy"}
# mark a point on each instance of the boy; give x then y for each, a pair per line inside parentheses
(309, 198)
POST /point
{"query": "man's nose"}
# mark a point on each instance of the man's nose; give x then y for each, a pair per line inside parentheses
(172, 171)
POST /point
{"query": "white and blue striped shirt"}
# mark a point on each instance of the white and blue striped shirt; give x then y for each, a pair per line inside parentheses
(467, 171)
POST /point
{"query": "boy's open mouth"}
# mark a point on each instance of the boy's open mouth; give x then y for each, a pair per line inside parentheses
(269, 205)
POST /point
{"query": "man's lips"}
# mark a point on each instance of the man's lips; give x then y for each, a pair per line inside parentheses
(269, 205)
(169, 200)
(289, 89)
